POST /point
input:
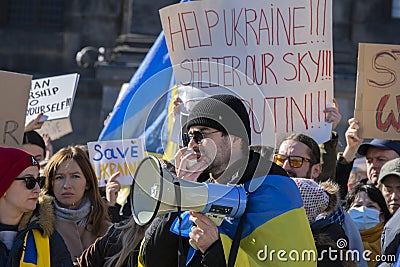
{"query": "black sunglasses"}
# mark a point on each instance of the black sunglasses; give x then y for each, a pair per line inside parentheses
(197, 137)
(30, 181)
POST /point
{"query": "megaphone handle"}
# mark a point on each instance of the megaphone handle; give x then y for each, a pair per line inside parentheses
(216, 219)
(193, 244)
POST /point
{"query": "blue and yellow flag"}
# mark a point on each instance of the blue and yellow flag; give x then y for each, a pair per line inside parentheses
(145, 109)
(36, 250)
(276, 231)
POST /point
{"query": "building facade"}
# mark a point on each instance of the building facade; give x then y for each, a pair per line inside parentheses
(105, 41)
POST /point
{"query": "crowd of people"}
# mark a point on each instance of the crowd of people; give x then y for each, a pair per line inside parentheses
(301, 209)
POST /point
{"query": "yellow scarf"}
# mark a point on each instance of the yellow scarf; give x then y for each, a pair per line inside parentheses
(36, 250)
(371, 239)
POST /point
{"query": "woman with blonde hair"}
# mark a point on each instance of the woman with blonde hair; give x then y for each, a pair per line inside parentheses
(81, 214)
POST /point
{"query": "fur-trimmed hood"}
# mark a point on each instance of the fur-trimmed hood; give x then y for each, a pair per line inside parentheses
(43, 215)
(332, 190)
(318, 199)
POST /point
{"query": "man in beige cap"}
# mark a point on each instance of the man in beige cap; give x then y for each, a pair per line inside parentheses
(389, 184)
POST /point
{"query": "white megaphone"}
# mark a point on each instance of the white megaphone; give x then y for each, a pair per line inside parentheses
(156, 191)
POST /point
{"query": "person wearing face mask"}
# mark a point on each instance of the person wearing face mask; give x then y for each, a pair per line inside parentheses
(367, 208)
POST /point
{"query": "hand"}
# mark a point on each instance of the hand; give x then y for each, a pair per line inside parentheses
(204, 233)
(49, 146)
(35, 123)
(333, 115)
(107, 119)
(183, 167)
(112, 189)
(352, 139)
(177, 105)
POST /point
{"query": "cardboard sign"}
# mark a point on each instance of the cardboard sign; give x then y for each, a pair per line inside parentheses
(276, 56)
(56, 128)
(53, 96)
(15, 94)
(377, 104)
(108, 157)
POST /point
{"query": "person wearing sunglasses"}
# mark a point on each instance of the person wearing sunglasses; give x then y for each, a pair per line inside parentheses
(27, 226)
(219, 135)
(81, 214)
(300, 156)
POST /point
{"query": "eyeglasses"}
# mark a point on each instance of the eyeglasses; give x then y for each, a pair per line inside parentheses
(197, 137)
(294, 161)
(30, 181)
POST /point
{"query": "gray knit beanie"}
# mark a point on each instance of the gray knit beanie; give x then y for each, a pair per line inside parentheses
(226, 113)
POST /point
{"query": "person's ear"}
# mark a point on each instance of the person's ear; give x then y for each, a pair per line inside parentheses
(316, 170)
(236, 141)
(381, 217)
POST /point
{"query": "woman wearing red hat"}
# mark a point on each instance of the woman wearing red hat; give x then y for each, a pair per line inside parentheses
(27, 233)
(81, 214)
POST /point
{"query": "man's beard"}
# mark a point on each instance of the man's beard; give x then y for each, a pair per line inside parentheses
(216, 167)
(294, 174)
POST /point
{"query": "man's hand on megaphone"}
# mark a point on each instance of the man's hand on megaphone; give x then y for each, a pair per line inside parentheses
(187, 166)
(204, 233)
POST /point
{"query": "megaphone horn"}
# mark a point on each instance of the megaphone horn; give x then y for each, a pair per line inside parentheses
(156, 191)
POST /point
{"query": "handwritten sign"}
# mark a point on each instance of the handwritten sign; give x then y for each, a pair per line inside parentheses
(53, 96)
(56, 128)
(108, 157)
(377, 104)
(275, 55)
(15, 90)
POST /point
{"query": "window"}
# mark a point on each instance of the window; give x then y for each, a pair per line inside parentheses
(396, 9)
(35, 14)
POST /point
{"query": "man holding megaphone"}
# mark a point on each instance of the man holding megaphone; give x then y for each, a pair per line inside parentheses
(274, 226)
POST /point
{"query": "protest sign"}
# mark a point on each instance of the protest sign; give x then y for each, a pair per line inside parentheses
(53, 96)
(108, 157)
(377, 104)
(276, 56)
(15, 90)
(56, 128)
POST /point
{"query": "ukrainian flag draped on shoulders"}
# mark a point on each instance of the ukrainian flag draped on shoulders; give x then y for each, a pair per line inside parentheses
(276, 231)
(36, 250)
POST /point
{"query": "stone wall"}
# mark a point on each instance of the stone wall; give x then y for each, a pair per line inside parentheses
(99, 23)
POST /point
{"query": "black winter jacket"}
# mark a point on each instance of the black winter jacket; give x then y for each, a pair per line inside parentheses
(160, 245)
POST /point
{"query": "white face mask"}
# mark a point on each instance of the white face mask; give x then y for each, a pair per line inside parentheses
(365, 218)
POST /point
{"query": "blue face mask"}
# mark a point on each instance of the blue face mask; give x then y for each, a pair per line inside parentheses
(365, 218)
